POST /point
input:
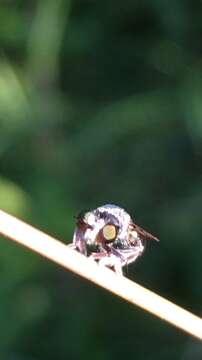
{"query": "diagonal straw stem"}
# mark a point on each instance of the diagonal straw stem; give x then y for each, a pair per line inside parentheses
(128, 290)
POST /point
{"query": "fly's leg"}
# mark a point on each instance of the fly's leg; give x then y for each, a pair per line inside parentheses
(132, 257)
(78, 242)
(98, 255)
(108, 260)
(129, 255)
(112, 262)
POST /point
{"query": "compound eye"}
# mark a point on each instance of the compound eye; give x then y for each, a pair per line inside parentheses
(109, 232)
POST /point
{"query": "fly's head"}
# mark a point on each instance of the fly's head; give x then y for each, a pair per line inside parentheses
(103, 226)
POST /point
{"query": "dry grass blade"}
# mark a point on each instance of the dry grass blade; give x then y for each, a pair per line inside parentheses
(56, 251)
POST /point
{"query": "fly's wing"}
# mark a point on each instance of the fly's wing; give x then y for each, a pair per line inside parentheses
(141, 233)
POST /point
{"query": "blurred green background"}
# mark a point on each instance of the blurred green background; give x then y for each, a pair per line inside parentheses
(100, 102)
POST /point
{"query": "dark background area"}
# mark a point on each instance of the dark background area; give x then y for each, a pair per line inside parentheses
(100, 102)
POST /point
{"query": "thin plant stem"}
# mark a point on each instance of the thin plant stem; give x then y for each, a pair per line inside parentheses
(56, 251)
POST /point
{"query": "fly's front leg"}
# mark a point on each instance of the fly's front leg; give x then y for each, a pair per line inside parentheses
(108, 260)
(78, 242)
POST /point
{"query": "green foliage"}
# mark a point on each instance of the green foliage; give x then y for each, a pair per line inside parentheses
(100, 102)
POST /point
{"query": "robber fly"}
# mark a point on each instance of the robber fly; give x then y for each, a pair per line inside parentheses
(109, 236)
